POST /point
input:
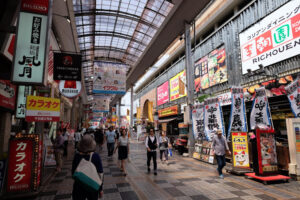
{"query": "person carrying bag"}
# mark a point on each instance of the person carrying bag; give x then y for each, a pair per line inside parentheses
(87, 171)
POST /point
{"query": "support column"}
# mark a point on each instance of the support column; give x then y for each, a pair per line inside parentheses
(5, 129)
(119, 113)
(131, 109)
(189, 84)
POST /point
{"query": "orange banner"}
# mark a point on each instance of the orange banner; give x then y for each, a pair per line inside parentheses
(173, 110)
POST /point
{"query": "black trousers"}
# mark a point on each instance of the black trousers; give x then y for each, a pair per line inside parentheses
(151, 154)
(66, 148)
(110, 149)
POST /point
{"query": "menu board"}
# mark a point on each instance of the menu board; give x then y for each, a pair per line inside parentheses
(268, 152)
(240, 151)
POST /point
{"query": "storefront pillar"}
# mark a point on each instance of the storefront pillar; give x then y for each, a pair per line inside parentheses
(131, 110)
(5, 129)
(190, 85)
(119, 113)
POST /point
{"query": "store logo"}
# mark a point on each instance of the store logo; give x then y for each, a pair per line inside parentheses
(35, 7)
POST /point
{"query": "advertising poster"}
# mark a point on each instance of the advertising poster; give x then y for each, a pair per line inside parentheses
(240, 150)
(42, 109)
(31, 47)
(238, 122)
(272, 39)
(268, 152)
(163, 93)
(293, 94)
(297, 135)
(173, 110)
(211, 69)
(177, 86)
(23, 92)
(213, 118)
(110, 78)
(50, 158)
(8, 94)
(260, 113)
(67, 66)
(198, 121)
(101, 104)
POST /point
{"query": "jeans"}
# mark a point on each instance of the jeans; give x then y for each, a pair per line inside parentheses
(221, 163)
(110, 148)
(151, 154)
(164, 153)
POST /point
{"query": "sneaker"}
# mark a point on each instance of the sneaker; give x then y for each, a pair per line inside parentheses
(155, 173)
(221, 176)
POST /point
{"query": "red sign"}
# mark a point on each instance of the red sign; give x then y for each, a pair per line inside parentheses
(163, 93)
(19, 173)
(7, 94)
(35, 6)
(173, 110)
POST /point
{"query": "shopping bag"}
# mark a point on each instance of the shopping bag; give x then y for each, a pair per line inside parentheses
(86, 173)
(170, 152)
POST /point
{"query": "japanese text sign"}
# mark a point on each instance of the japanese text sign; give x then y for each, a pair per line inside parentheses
(19, 173)
(260, 113)
(198, 121)
(163, 93)
(240, 150)
(23, 92)
(173, 110)
(274, 38)
(238, 120)
(7, 94)
(101, 103)
(67, 67)
(31, 50)
(110, 78)
(213, 118)
(42, 109)
(177, 86)
(293, 94)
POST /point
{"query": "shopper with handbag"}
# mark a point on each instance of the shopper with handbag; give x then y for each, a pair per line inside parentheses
(163, 147)
(87, 171)
(123, 149)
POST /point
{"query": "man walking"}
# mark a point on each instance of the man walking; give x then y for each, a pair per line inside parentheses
(220, 146)
(58, 146)
(110, 137)
(151, 143)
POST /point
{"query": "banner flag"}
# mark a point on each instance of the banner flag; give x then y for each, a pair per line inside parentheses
(293, 94)
(198, 121)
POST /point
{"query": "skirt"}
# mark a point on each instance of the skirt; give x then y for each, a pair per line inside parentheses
(123, 152)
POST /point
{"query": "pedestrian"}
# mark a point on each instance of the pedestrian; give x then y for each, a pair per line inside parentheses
(110, 137)
(77, 137)
(58, 146)
(66, 135)
(220, 146)
(86, 148)
(163, 147)
(123, 149)
(151, 143)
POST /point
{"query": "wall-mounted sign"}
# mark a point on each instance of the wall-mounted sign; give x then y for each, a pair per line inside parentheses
(274, 38)
(213, 118)
(173, 110)
(22, 173)
(31, 49)
(67, 67)
(240, 151)
(177, 86)
(42, 109)
(23, 92)
(225, 99)
(8, 47)
(163, 93)
(7, 94)
(211, 69)
(69, 89)
(110, 78)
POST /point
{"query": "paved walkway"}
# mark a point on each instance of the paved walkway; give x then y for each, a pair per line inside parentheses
(182, 179)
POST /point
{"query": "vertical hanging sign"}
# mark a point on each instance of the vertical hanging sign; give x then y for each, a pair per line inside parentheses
(260, 113)
(238, 122)
(198, 121)
(23, 91)
(213, 120)
(293, 94)
(31, 48)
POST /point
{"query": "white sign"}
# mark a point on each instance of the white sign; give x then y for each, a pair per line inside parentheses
(23, 91)
(260, 113)
(238, 122)
(213, 118)
(293, 94)
(225, 99)
(69, 89)
(275, 38)
(30, 49)
(198, 121)
(101, 103)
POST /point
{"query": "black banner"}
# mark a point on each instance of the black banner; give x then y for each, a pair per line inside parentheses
(67, 66)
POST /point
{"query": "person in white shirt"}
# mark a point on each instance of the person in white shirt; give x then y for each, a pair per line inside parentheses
(77, 137)
(123, 149)
(66, 135)
(151, 143)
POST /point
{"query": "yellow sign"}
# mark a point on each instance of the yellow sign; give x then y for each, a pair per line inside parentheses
(240, 151)
(150, 111)
(42, 103)
(177, 86)
(138, 113)
(173, 110)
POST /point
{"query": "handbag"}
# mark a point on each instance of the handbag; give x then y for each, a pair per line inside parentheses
(86, 173)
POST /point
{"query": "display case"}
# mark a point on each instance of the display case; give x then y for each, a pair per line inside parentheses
(204, 152)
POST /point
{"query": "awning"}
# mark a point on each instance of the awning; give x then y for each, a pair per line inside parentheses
(167, 120)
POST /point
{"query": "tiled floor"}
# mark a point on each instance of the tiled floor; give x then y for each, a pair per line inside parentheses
(182, 179)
